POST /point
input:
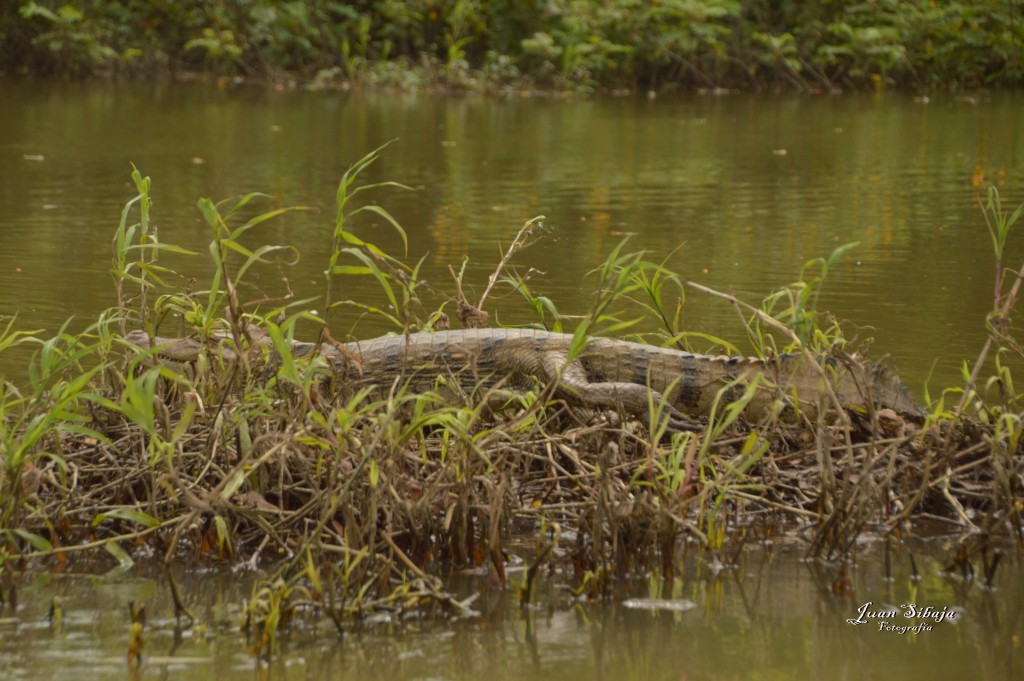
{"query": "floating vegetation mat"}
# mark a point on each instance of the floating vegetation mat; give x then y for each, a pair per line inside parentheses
(432, 485)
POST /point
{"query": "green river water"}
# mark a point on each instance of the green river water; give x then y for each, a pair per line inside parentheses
(734, 192)
(772, 617)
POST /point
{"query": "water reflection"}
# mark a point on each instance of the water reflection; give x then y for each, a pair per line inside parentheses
(736, 192)
(772, 617)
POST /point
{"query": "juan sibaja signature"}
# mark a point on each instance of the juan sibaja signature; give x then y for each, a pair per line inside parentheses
(887, 617)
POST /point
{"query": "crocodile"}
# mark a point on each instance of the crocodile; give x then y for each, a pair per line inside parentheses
(606, 374)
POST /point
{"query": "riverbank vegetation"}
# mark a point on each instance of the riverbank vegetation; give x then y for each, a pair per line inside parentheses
(357, 501)
(504, 45)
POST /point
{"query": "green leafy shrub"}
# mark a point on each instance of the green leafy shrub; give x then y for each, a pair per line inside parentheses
(584, 44)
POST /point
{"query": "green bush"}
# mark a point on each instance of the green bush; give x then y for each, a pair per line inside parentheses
(557, 43)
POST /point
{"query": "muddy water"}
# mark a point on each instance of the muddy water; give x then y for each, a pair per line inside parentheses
(770, 617)
(735, 192)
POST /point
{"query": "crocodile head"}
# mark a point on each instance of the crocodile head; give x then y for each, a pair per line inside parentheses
(885, 390)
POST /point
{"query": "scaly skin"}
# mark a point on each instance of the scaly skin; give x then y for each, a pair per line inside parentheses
(611, 374)
(608, 374)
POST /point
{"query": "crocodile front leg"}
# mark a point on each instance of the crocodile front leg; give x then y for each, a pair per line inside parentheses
(632, 398)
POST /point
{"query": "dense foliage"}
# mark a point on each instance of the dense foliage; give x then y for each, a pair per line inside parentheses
(549, 43)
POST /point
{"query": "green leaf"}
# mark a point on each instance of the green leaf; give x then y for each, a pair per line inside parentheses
(351, 270)
(391, 220)
(233, 484)
(263, 217)
(380, 276)
(223, 536)
(374, 474)
(243, 201)
(125, 513)
(114, 549)
(39, 543)
(208, 209)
